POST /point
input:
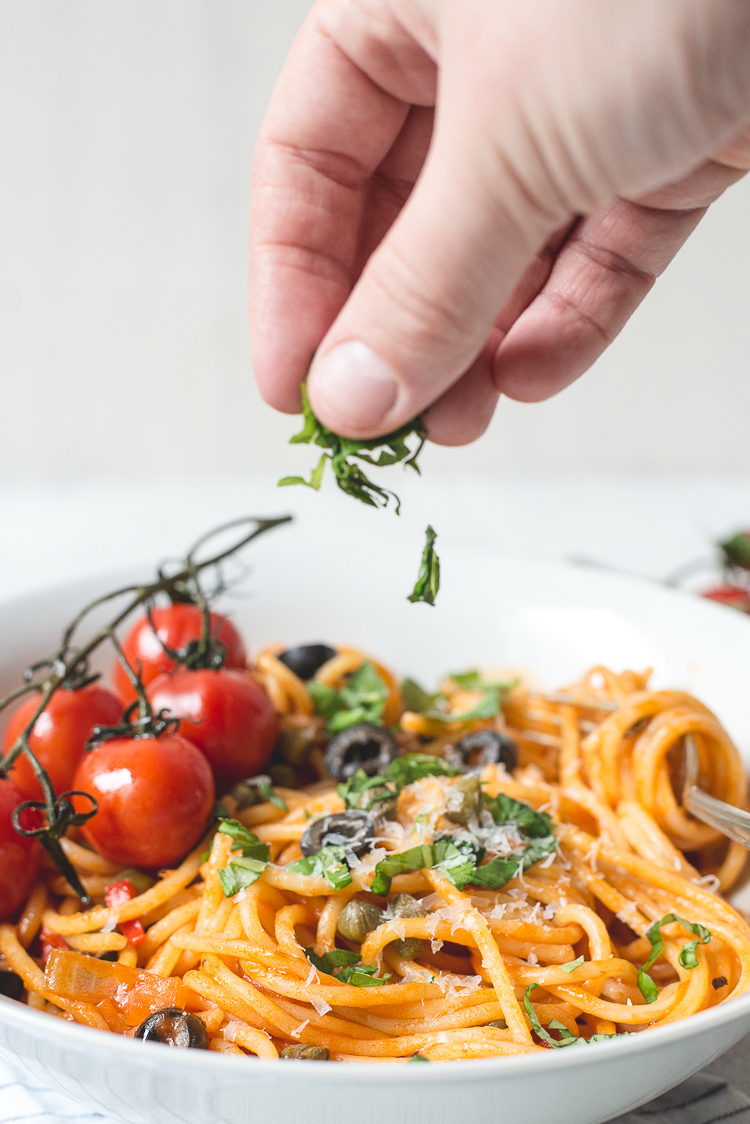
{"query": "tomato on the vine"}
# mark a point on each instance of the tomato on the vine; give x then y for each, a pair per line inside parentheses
(20, 857)
(176, 626)
(226, 713)
(155, 795)
(59, 736)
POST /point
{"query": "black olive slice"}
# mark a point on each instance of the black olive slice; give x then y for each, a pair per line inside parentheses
(11, 985)
(306, 659)
(362, 746)
(483, 747)
(174, 1027)
(353, 830)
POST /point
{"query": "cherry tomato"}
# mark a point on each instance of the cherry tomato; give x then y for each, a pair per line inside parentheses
(20, 857)
(154, 794)
(226, 713)
(731, 595)
(59, 735)
(176, 626)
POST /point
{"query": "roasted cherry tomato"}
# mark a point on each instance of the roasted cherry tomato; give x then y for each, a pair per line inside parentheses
(20, 857)
(154, 794)
(735, 597)
(226, 713)
(59, 735)
(176, 626)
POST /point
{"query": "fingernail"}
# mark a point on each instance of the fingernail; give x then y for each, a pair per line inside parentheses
(353, 386)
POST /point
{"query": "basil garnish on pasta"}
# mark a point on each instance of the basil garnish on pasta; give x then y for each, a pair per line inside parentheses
(687, 957)
(329, 863)
(361, 699)
(345, 966)
(566, 1037)
(244, 869)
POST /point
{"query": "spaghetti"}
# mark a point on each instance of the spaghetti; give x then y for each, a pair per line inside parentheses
(485, 912)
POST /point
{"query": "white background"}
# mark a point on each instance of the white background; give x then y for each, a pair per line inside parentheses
(126, 135)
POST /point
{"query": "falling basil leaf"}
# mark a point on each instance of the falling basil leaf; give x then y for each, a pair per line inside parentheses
(329, 863)
(566, 1037)
(350, 478)
(687, 957)
(361, 699)
(428, 580)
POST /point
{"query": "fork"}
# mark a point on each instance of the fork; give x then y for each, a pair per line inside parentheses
(732, 822)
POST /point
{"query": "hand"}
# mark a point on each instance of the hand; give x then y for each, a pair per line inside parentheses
(454, 199)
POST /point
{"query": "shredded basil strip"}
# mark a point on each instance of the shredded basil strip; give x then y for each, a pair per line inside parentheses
(329, 863)
(504, 809)
(345, 966)
(416, 698)
(566, 1038)
(572, 964)
(687, 957)
(241, 871)
(272, 797)
(417, 1058)
(350, 478)
(428, 580)
(361, 699)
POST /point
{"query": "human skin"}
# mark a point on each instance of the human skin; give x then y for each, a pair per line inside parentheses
(457, 199)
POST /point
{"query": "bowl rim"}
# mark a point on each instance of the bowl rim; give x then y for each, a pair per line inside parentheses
(17, 1014)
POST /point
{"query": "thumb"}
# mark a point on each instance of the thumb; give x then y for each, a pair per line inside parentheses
(425, 304)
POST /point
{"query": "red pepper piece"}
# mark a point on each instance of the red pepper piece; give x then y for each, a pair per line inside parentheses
(116, 894)
(50, 939)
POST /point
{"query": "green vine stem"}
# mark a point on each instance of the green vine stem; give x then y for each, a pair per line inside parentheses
(68, 667)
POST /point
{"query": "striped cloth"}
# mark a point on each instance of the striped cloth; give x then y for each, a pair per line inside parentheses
(720, 1093)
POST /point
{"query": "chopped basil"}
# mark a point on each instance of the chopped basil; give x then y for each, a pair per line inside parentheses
(401, 772)
(428, 580)
(345, 966)
(349, 476)
(572, 964)
(417, 1058)
(488, 706)
(361, 699)
(460, 861)
(504, 809)
(414, 766)
(246, 868)
(687, 957)
(416, 698)
(329, 863)
(566, 1038)
(268, 794)
(416, 858)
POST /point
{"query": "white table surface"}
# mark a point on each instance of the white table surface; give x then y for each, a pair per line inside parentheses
(60, 531)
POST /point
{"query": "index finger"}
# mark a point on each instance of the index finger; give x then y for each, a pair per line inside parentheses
(327, 128)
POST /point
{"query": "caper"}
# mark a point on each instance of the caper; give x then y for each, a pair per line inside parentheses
(174, 1027)
(295, 746)
(361, 746)
(305, 1053)
(11, 985)
(141, 882)
(404, 905)
(483, 747)
(464, 800)
(357, 919)
(352, 830)
(306, 659)
(282, 775)
(500, 1024)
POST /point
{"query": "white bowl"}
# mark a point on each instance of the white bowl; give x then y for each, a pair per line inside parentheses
(552, 619)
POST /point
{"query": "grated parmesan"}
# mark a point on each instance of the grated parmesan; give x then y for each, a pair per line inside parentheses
(320, 1005)
(298, 1029)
